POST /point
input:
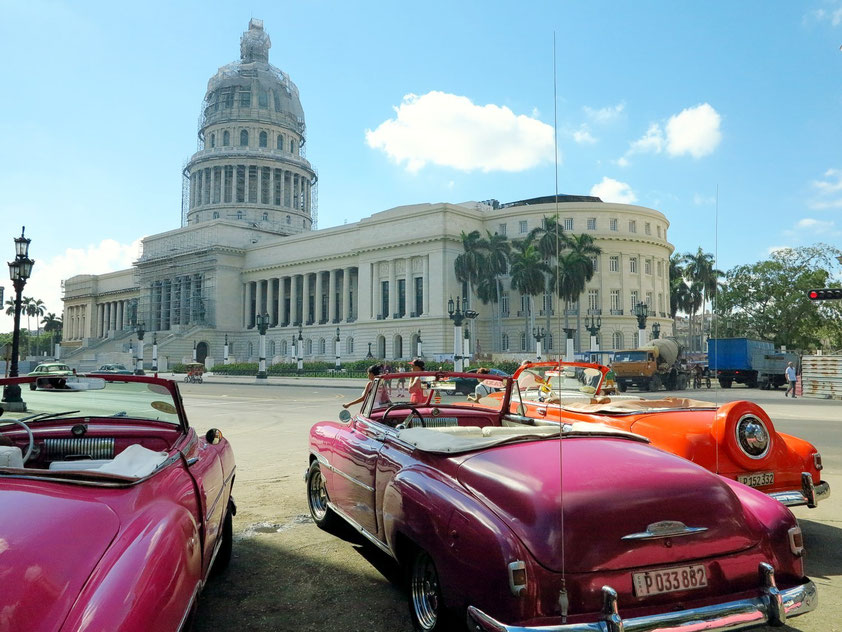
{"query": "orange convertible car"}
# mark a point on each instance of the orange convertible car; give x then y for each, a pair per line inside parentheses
(736, 439)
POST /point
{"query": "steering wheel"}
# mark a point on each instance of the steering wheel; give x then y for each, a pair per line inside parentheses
(29, 434)
(413, 411)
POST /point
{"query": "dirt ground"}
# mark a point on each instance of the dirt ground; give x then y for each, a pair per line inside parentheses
(286, 574)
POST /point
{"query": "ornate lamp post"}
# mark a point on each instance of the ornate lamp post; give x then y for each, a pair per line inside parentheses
(155, 352)
(300, 351)
(458, 316)
(419, 351)
(262, 325)
(19, 271)
(369, 355)
(656, 331)
(225, 351)
(194, 351)
(641, 311)
(569, 353)
(138, 363)
(539, 334)
(336, 349)
(593, 325)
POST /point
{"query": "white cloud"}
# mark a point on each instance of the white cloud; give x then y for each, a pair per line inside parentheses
(583, 136)
(610, 190)
(47, 275)
(703, 200)
(815, 225)
(694, 131)
(449, 130)
(828, 192)
(606, 114)
(622, 162)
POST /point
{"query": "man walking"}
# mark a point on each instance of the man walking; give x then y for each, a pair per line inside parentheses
(790, 377)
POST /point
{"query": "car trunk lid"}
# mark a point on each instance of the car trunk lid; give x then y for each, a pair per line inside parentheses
(615, 492)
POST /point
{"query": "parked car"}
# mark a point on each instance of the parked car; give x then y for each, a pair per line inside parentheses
(737, 439)
(44, 369)
(115, 510)
(115, 369)
(513, 523)
(466, 385)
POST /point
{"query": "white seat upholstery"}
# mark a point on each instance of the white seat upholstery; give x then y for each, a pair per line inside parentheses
(10, 456)
(81, 464)
(135, 461)
(494, 431)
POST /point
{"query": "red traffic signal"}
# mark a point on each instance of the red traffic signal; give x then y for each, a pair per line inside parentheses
(825, 294)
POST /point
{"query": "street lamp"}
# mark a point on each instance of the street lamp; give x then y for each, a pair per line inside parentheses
(369, 355)
(138, 361)
(336, 349)
(262, 324)
(569, 354)
(656, 331)
(300, 351)
(225, 351)
(19, 271)
(194, 351)
(641, 311)
(593, 327)
(155, 352)
(458, 316)
(539, 334)
(418, 350)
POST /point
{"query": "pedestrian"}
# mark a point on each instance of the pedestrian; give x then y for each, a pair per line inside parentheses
(373, 372)
(401, 381)
(484, 387)
(790, 377)
(416, 389)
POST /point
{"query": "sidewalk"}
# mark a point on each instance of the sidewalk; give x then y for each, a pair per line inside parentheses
(250, 380)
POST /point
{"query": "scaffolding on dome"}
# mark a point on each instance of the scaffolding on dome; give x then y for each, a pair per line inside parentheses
(176, 277)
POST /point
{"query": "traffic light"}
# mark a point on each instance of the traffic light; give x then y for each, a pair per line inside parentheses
(825, 294)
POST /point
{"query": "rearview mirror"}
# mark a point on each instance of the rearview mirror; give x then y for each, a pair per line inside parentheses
(344, 415)
(70, 383)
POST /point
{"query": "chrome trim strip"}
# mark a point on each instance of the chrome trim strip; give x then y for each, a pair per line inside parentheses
(665, 529)
(323, 461)
(774, 607)
(362, 530)
(796, 497)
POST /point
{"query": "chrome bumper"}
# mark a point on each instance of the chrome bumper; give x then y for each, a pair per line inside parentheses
(810, 494)
(771, 608)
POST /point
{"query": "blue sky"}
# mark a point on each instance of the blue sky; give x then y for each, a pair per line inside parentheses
(659, 103)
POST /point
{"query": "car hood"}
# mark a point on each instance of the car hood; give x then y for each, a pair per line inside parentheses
(49, 545)
(612, 488)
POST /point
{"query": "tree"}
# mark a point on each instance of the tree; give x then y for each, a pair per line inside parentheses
(470, 266)
(768, 300)
(698, 268)
(579, 260)
(496, 249)
(549, 238)
(527, 270)
(678, 290)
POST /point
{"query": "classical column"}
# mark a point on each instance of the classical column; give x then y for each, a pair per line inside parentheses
(331, 297)
(173, 304)
(100, 322)
(120, 315)
(409, 291)
(426, 285)
(258, 301)
(293, 300)
(347, 307)
(393, 289)
(305, 299)
(320, 291)
(271, 300)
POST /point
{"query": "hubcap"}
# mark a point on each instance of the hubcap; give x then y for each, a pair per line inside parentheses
(425, 591)
(317, 495)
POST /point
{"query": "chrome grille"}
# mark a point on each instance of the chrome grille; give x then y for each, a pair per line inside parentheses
(438, 422)
(93, 447)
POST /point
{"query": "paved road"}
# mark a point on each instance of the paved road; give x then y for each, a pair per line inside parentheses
(287, 574)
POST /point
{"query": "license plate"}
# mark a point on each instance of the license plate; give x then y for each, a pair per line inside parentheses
(757, 479)
(668, 580)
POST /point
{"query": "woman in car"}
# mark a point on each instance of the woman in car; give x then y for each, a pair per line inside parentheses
(373, 372)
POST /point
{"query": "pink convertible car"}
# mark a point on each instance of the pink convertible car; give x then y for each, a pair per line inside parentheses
(113, 511)
(514, 524)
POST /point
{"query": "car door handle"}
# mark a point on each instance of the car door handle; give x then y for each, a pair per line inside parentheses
(192, 461)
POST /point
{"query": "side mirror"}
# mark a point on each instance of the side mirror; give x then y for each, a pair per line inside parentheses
(213, 436)
(344, 415)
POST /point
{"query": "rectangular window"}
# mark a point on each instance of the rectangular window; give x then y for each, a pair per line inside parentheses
(612, 224)
(660, 302)
(614, 263)
(634, 300)
(229, 183)
(659, 231)
(384, 299)
(649, 302)
(647, 266)
(419, 295)
(504, 304)
(595, 263)
(593, 299)
(402, 297)
(245, 99)
(206, 190)
(591, 223)
(264, 185)
(276, 194)
(241, 183)
(568, 223)
(647, 228)
(523, 227)
(217, 184)
(660, 267)
(615, 300)
(253, 184)
(263, 99)
(501, 230)
(633, 265)
(632, 226)
(524, 303)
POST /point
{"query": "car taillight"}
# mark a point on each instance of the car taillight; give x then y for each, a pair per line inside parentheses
(817, 460)
(796, 541)
(517, 577)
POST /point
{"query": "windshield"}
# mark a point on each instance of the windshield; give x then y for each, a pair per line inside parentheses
(96, 397)
(552, 382)
(630, 356)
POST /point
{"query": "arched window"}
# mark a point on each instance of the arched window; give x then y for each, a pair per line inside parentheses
(289, 219)
(280, 142)
(284, 348)
(349, 346)
(397, 347)
(291, 147)
(617, 339)
(309, 346)
(244, 138)
(226, 138)
(263, 139)
(321, 346)
(216, 214)
(239, 215)
(505, 342)
(381, 347)
(304, 223)
(549, 341)
(230, 348)
(251, 350)
(265, 216)
(213, 140)
(271, 346)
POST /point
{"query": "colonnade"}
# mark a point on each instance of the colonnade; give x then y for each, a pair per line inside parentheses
(176, 301)
(402, 289)
(74, 322)
(250, 184)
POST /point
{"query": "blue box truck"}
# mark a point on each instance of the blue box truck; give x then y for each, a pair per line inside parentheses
(755, 363)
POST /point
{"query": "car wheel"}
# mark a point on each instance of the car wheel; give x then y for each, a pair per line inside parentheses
(426, 606)
(621, 387)
(32, 386)
(318, 499)
(223, 555)
(724, 382)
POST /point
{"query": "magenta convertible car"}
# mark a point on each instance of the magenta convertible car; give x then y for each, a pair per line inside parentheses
(514, 524)
(113, 511)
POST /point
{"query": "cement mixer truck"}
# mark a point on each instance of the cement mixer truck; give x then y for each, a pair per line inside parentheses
(658, 364)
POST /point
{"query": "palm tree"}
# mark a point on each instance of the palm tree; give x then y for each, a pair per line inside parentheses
(577, 268)
(550, 240)
(10, 306)
(699, 269)
(678, 290)
(695, 300)
(527, 270)
(470, 267)
(496, 249)
(25, 302)
(35, 307)
(52, 324)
